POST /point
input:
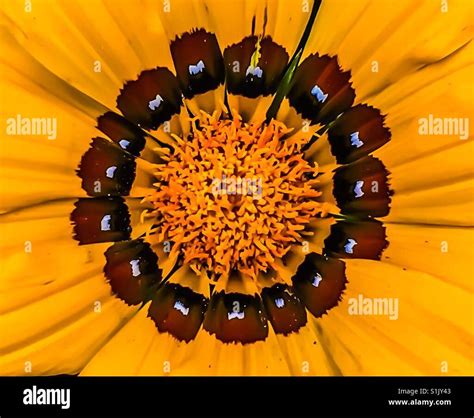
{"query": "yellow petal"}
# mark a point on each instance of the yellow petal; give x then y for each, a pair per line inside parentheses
(450, 204)
(442, 252)
(42, 166)
(138, 348)
(40, 257)
(123, 354)
(72, 324)
(181, 16)
(117, 42)
(433, 325)
(46, 170)
(235, 20)
(444, 91)
(392, 39)
(268, 17)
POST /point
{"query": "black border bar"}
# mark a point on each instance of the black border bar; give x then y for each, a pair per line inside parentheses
(241, 396)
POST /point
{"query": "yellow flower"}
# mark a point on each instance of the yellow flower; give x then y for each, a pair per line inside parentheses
(236, 187)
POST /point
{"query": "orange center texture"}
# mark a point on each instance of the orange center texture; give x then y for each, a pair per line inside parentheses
(235, 196)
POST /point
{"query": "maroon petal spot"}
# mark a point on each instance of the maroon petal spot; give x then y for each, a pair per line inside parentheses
(131, 270)
(361, 239)
(357, 132)
(106, 170)
(178, 311)
(285, 311)
(361, 188)
(234, 317)
(102, 219)
(320, 89)
(151, 99)
(198, 62)
(124, 133)
(263, 79)
(319, 282)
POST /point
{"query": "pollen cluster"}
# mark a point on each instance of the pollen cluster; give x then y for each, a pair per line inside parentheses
(234, 196)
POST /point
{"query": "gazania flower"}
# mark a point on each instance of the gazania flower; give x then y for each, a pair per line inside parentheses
(236, 187)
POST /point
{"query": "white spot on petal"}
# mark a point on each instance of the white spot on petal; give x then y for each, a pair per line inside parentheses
(358, 189)
(155, 103)
(105, 223)
(178, 305)
(348, 248)
(110, 172)
(233, 315)
(196, 69)
(355, 140)
(319, 94)
(135, 268)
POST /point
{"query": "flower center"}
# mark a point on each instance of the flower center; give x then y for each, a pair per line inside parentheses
(234, 196)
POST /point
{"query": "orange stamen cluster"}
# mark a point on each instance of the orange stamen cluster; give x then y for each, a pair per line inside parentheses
(234, 196)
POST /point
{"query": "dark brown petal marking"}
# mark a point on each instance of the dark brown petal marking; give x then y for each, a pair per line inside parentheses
(357, 132)
(361, 239)
(131, 268)
(124, 133)
(102, 219)
(320, 89)
(198, 62)
(151, 99)
(234, 317)
(178, 311)
(263, 79)
(285, 311)
(319, 282)
(106, 170)
(361, 188)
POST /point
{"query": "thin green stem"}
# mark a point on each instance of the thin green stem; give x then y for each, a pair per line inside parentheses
(285, 84)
